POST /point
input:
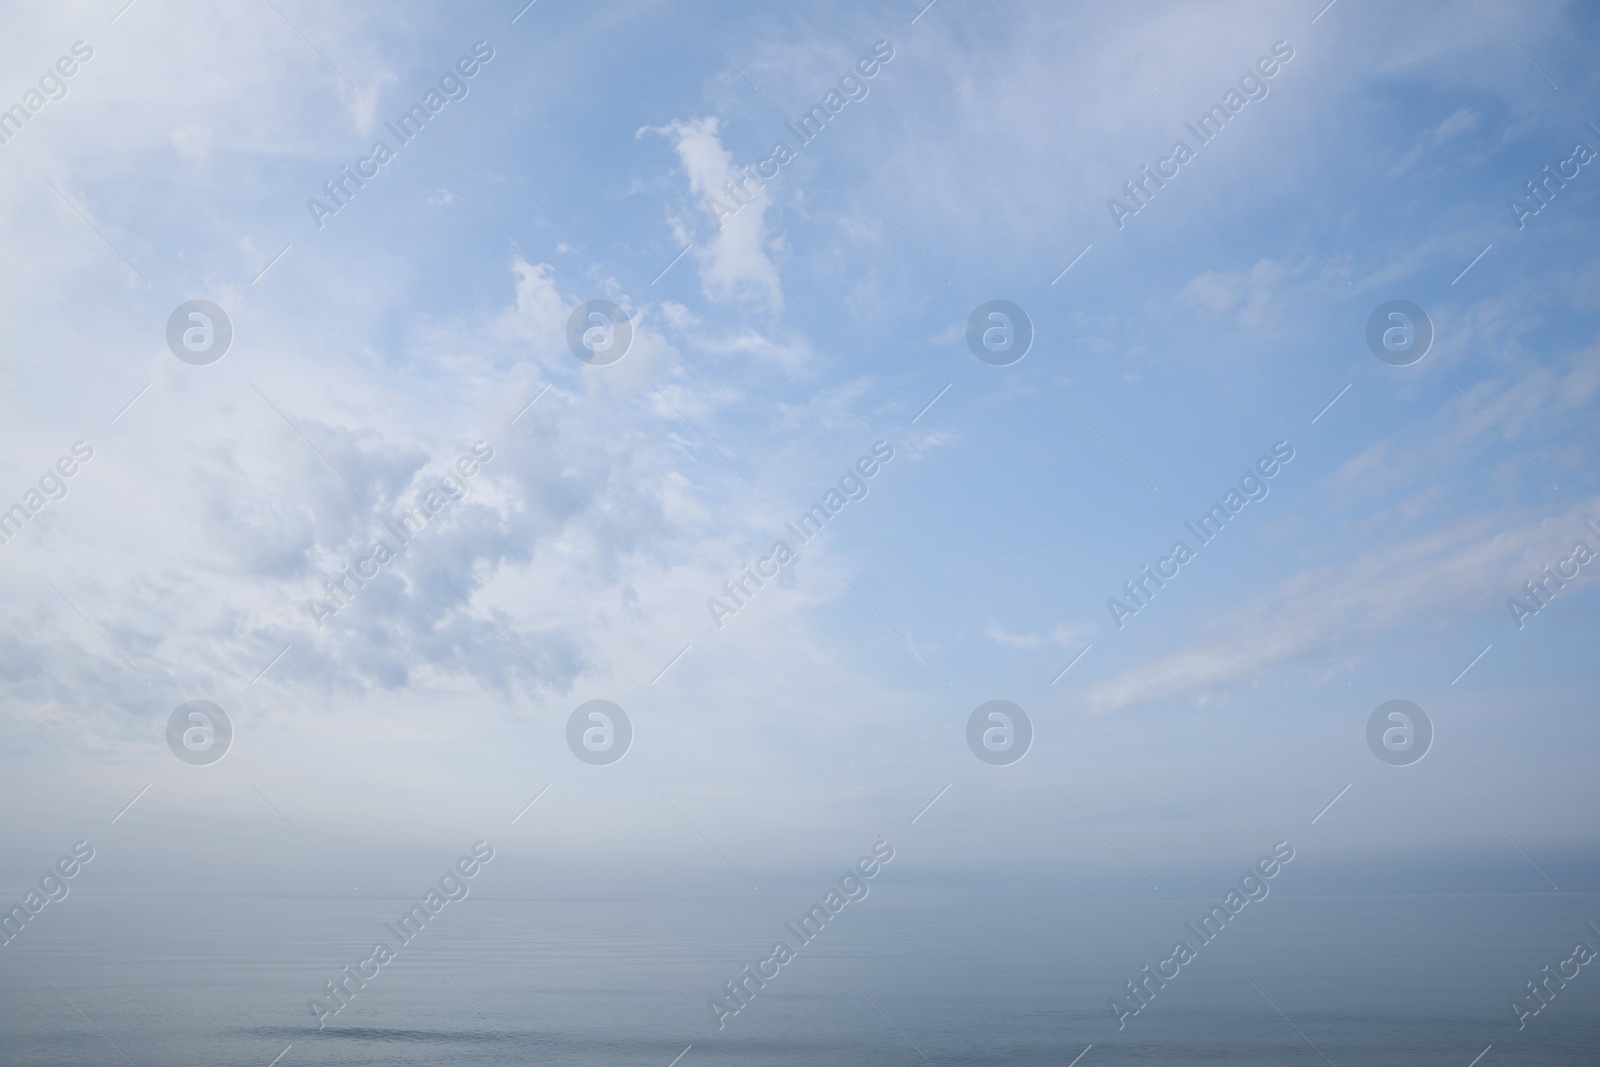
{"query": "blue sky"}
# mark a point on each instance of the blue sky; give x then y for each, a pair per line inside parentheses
(1178, 349)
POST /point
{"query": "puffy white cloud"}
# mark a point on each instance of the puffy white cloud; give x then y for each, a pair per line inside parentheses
(736, 263)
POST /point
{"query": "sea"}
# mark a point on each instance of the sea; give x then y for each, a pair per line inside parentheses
(914, 978)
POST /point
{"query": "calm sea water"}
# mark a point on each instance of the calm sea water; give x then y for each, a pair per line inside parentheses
(184, 982)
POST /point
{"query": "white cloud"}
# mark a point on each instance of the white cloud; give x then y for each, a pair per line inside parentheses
(1064, 636)
(737, 264)
(1470, 567)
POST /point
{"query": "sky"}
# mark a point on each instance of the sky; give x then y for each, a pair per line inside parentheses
(422, 329)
